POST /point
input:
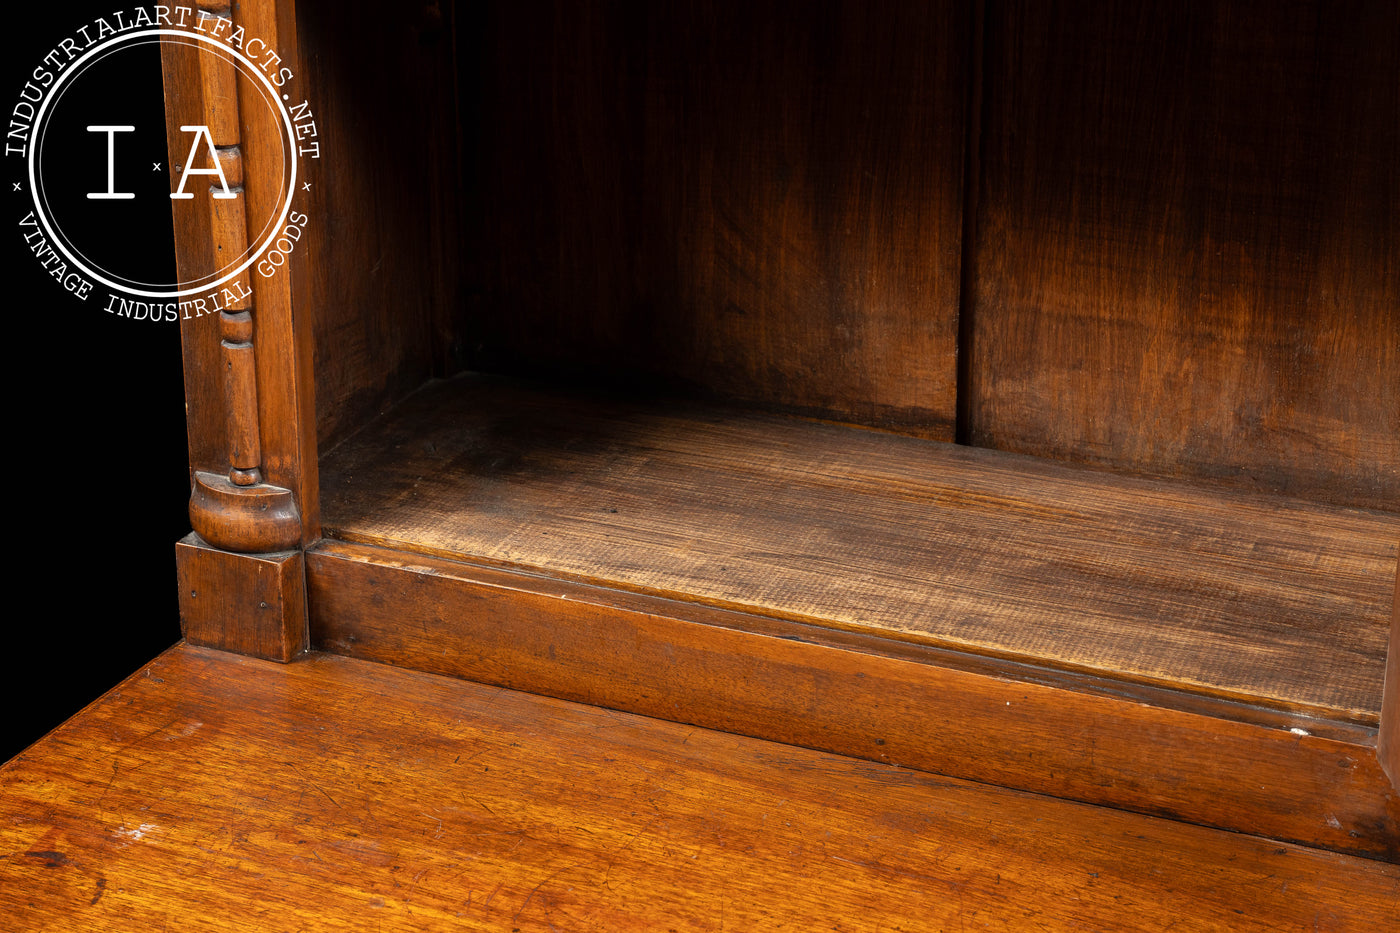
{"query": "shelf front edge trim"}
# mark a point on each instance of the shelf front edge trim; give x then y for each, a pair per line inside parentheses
(769, 679)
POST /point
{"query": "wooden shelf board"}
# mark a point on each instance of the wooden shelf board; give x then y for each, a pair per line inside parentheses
(236, 794)
(1240, 596)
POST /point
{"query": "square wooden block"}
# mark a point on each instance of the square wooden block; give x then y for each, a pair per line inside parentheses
(253, 604)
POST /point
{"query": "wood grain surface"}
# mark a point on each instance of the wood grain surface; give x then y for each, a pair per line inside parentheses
(1388, 742)
(758, 200)
(280, 413)
(1151, 750)
(284, 323)
(382, 253)
(1188, 219)
(254, 604)
(185, 104)
(227, 794)
(1268, 600)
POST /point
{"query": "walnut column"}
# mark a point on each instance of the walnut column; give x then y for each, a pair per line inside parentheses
(241, 574)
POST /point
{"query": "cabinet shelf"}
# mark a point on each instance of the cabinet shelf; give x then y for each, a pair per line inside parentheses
(1222, 594)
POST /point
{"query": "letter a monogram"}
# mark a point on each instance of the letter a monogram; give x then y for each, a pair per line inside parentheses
(202, 133)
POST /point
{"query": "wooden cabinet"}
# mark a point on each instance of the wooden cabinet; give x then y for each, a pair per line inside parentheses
(1007, 390)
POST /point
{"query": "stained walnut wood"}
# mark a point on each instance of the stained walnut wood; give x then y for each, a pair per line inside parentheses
(278, 411)
(381, 252)
(1274, 601)
(758, 200)
(185, 105)
(250, 519)
(1186, 220)
(232, 794)
(1148, 236)
(283, 327)
(1147, 749)
(1388, 742)
(253, 604)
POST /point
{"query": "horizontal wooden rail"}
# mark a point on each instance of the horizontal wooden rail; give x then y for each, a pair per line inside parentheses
(1080, 738)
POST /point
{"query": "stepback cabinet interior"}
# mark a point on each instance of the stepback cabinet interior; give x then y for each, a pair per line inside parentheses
(1004, 389)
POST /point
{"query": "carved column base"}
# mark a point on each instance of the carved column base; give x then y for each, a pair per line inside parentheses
(250, 519)
(253, 604)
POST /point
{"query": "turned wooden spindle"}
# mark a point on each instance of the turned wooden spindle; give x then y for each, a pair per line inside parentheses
(229, 226)
(245, 452)
(229, 229)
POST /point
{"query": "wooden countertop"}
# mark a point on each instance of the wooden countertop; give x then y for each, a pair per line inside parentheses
(214, 792)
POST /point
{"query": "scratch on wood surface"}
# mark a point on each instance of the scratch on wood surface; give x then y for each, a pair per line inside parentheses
(155, 731)
(607, 875)
(316, 786)
(533, 891)
(480, 804)
(115, 766)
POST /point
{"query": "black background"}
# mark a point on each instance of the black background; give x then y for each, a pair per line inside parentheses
(97, 465)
